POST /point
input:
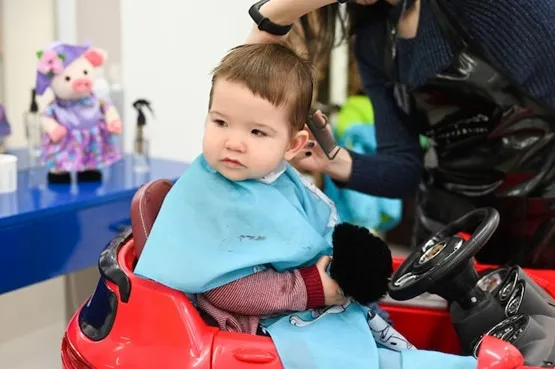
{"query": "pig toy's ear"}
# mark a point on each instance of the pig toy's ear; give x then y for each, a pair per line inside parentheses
(95, 56)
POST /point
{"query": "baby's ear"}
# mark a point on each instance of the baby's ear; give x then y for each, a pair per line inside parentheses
(297, 143)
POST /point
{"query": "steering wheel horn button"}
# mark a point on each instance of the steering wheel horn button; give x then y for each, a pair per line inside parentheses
(436, 255)
(432, 252)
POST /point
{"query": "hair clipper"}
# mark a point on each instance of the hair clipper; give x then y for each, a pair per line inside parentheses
(318, 125)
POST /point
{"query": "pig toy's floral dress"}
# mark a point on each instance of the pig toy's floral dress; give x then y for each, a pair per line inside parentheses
(88, 144)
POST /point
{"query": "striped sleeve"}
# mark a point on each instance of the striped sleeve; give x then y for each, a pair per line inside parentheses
(269, 292)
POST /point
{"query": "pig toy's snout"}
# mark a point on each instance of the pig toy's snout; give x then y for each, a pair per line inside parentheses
(82, 85)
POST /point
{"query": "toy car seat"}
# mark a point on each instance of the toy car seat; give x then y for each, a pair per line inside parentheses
(145, 205)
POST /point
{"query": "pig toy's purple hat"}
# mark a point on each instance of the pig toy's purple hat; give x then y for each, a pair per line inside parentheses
(53, 60)
(5, 129)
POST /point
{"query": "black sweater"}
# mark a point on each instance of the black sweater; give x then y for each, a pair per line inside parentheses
(519, 38)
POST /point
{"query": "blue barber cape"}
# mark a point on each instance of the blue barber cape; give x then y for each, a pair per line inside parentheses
(211, 231)
(373, 212)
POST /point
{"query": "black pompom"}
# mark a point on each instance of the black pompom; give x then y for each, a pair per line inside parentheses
(362, 264)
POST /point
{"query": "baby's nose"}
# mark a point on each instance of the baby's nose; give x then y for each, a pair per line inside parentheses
(235, 144)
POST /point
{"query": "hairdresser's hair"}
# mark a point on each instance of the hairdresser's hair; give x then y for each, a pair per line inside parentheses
(273, 72)
(320, 30)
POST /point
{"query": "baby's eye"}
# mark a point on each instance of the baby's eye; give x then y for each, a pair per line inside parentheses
(258, 133)
(220, 122)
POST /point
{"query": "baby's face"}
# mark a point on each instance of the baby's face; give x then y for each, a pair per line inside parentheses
(246, 137)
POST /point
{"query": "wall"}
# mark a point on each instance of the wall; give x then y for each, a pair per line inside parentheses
(99, 22)
(33, 318)
(27, 26)
(167, 54)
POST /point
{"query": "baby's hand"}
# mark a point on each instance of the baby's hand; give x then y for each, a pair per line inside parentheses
(333, 295)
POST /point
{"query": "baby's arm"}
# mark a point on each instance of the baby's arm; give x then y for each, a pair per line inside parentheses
(269, 292)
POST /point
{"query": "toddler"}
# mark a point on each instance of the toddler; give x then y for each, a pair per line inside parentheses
(259, 102)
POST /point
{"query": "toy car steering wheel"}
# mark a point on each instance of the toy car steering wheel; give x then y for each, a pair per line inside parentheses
(447, 254)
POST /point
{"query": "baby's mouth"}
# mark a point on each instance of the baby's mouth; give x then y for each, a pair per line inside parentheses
(232, 163)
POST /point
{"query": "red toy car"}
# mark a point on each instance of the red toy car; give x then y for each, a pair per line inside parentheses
(131, 322)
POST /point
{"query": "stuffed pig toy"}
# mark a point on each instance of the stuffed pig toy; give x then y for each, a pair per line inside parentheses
(79, 128)
(5, 129)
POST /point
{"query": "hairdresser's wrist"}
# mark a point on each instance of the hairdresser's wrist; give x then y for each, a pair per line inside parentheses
(341, 167)
(286, 12)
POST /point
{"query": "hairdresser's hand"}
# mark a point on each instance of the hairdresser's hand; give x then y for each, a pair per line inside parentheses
(257, 36)
(313, 159)
(333, 295)
(284, 12)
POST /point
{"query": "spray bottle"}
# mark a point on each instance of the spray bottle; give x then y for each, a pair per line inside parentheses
(141, 151)
(33, 128)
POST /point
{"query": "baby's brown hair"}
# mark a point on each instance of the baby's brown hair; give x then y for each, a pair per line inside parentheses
(274, 72)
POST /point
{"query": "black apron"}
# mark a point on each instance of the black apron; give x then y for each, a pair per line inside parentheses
(491, 145)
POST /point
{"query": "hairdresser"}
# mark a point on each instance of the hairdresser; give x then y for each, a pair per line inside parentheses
(478, 79)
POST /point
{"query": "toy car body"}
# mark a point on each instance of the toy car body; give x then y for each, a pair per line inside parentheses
(132, 322)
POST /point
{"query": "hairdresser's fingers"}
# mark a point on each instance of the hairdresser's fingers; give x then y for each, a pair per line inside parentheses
(303, 154)
(320, 116)
(310, 145)
(307, 149)
(322, 119)
(256, 36)
(317, 153)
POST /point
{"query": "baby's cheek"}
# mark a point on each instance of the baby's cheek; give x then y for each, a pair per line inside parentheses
(270, 157)
(209, 142)
(210, 155)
